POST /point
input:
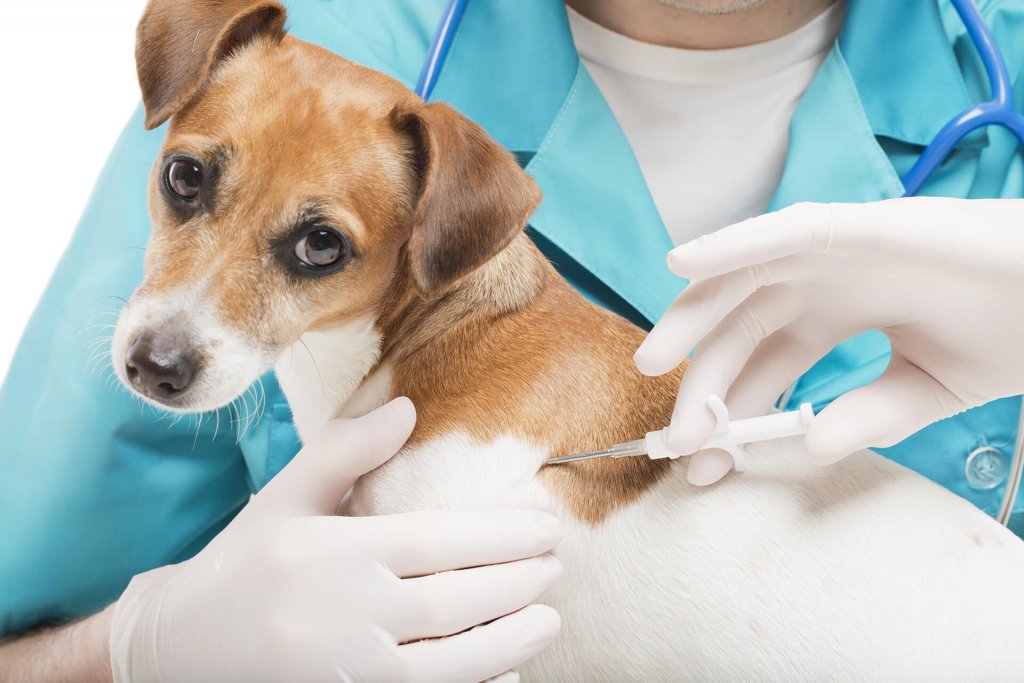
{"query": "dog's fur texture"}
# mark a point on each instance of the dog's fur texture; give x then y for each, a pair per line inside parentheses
(863, 571)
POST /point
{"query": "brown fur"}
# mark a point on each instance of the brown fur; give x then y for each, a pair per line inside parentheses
(472, 194)
(475, 323)
(550, 368)
(176, 50)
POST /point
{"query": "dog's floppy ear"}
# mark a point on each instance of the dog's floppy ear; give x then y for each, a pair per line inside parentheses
(472, 200)
(178, 44)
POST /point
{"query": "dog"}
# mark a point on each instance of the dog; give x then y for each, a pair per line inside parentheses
(315, 216)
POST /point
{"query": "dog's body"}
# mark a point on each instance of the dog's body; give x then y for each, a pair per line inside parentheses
(309, 210)
(862, 571)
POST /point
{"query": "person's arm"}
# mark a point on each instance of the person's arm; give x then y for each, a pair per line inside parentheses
(290, 591)
(78, 652)
(96, 487)
(942, 278)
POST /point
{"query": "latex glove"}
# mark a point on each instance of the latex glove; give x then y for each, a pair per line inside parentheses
(289, 592)
(942, 278)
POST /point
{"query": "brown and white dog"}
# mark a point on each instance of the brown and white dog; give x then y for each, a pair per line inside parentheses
(301, 199)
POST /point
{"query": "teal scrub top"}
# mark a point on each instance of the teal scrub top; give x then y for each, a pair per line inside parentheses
(96, 487)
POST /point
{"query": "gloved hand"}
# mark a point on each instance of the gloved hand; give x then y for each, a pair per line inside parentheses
(290, 592)
(942, 278)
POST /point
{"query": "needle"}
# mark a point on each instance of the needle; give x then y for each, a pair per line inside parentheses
(620, 450)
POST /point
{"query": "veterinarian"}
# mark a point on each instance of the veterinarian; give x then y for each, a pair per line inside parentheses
(648, 125)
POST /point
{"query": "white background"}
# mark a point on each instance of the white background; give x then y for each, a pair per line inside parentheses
(67, 71)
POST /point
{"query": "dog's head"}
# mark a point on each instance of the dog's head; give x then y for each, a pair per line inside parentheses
(294, 191)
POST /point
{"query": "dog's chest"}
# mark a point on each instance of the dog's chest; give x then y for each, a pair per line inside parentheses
(456, 472)
(604, 620)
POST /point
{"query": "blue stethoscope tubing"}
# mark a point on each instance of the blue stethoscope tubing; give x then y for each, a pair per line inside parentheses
(997, 111)
(437, 53)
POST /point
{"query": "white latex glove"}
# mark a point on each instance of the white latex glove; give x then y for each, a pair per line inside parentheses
(942, 278)
(290, 592)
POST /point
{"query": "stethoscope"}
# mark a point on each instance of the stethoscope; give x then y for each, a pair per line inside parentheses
(999, 110)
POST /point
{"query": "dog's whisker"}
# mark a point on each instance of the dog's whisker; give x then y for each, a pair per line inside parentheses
(96, 326)
(99, 345)
(99, 342)
(262, 406)
(199, 426)
(259, 396)
(98, 362)
(124, 249)
(242, 420)
(323, 388)
(105, 311)
(249, 413)
(114, 296)
(234, 421)
(255, 406)
(95, 363)
(216, 426)
(98, 351)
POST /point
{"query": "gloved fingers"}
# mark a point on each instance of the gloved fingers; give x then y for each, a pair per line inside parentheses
(484, 651)
(699, 309)
(315, 481)
(776, 363)
(421, 543)
(798, 229)
(902, 401)
(719, 359)
(450, 602)
(708, 466)
(692, 315)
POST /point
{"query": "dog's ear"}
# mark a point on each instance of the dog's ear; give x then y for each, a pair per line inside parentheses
(472, 198)
(178, 44)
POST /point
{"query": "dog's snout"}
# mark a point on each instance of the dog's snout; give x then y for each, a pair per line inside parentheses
(160, 369)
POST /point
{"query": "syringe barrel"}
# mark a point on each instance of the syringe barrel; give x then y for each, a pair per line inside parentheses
(766, 427)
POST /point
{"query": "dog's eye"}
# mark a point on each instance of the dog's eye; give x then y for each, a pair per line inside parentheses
(184, 178)
(321, 248)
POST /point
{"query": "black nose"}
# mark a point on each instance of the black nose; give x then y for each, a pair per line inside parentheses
(159, 368)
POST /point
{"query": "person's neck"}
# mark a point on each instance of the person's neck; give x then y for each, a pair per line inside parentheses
(655, 22)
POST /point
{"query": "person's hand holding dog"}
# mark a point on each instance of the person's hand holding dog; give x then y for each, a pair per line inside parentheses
(290, 591)
(942, 278)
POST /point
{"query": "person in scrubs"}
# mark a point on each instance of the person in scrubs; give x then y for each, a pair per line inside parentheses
(649, 125)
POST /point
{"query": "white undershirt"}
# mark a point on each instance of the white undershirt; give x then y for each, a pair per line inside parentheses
(709, 128)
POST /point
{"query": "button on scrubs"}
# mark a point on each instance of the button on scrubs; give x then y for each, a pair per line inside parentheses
(94, 488)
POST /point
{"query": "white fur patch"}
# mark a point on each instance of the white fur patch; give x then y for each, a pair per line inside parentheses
(371, 394)
(861, 571)
(323, 370)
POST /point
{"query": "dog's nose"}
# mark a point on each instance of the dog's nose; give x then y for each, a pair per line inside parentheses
(160, 371)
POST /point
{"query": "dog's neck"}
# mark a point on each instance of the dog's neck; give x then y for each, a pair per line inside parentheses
(512, 350)
(508, 282)
(346, 371)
